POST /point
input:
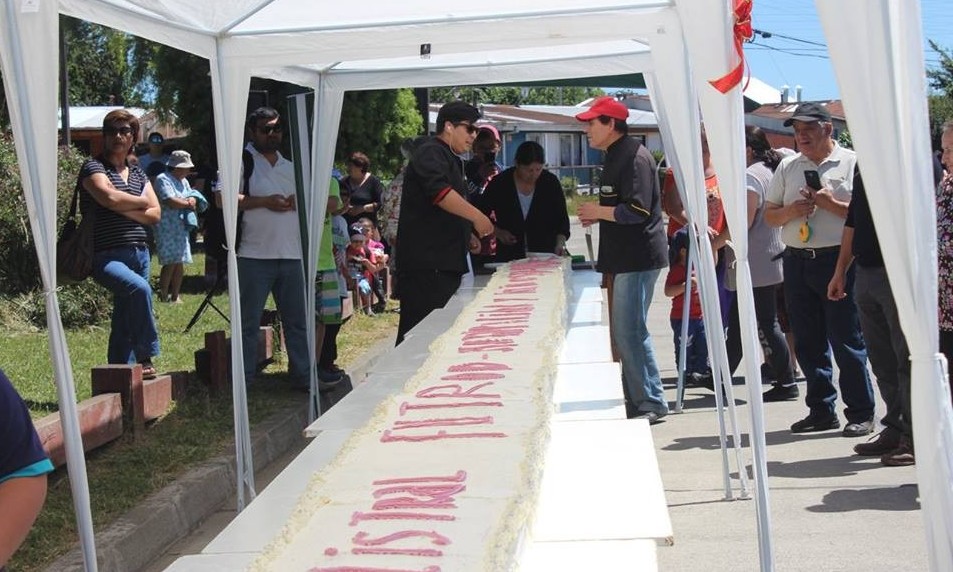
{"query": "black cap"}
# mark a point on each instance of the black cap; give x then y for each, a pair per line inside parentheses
(809, 112)
(456, 111)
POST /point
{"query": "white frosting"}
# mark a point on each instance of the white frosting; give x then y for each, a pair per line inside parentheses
(445, 475)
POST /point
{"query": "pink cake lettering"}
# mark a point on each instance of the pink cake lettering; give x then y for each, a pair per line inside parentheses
(428, 497)
(359, 516)
(435, 391)
(389, 437)
(426, 552)
(405, 406)
(362, 538)
(457, 477)
(446, 422)
(375, 569)
(479, 366)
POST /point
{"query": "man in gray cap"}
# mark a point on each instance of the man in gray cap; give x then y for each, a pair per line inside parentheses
(808, 198)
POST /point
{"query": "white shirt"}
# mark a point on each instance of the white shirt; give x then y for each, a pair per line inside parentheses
(837, 174)
(267, 234)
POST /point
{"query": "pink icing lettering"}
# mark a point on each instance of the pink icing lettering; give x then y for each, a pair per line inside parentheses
(361, 538)
(331, 551)
(388, 437)
(479, 366)
(432, 552)
(433, 391)
(457, 477)
(367, 569)
(433, 496)
(362, 516)
(471, 376)
(405, 406)
(447, 422)
(473, 347)
(492, 331)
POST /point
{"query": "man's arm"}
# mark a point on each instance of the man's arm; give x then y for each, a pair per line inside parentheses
(778, 215)
(836, 289)
(453, 203)
(21, 499)
(825, 200)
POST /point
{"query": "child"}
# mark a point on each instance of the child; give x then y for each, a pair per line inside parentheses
(327, 368)
(696, 368)
(376, 247)
(361, 267)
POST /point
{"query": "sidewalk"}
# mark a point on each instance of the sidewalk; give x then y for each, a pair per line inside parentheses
(830, 510)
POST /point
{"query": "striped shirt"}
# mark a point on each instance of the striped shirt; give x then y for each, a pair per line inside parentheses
(112, 228)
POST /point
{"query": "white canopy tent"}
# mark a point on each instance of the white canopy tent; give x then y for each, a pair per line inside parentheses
(319, 45)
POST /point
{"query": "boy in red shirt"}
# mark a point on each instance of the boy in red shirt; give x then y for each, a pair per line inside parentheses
(697, 369)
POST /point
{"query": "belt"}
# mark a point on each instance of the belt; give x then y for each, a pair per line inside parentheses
(808, 253)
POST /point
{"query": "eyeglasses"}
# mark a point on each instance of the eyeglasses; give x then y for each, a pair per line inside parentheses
(471, 128)
(269, 129)
(113, 131)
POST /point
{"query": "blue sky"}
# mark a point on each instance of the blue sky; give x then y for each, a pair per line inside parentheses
(801, 58)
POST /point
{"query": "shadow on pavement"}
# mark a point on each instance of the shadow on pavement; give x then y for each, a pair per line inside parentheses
(903, 497)
(780, 437)
(820, 468)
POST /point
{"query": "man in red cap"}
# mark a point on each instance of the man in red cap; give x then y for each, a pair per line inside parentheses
(632, 250)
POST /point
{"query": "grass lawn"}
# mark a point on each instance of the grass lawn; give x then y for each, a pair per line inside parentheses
(198, 428)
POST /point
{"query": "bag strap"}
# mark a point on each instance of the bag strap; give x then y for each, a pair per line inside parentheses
(74, 203)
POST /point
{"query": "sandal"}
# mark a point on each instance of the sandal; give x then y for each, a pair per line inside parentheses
(148, 370)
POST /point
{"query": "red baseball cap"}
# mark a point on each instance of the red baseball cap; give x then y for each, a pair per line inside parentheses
(605, 105)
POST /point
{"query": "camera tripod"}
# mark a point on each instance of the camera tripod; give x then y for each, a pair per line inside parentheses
(207, 302)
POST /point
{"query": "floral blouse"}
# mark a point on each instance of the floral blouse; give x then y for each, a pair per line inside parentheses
(944, 237)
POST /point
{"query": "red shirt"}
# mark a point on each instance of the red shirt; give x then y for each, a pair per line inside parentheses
(676, 275)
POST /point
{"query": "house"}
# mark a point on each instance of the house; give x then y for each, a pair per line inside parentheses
(86, 125)
(562, 137)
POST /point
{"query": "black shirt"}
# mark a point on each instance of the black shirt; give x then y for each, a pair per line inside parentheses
(628, 178)
(866, 246)
(428, 237)
(370, 191)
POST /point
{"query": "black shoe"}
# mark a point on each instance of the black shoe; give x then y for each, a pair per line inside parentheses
(650, 416)
(767, 373)
(885, 442)
(815, 422)
(859, 429)
(781, 393)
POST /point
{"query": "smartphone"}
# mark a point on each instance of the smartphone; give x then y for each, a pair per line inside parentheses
(813, 180)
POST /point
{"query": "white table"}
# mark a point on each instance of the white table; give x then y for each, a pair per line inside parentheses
(612, 524)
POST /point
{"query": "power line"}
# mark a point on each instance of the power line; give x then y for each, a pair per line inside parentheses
(767, 35)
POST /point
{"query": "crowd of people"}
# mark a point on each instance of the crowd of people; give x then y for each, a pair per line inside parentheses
(820, 287)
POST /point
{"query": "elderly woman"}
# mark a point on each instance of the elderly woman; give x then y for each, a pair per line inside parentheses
(179, 201)
(529, 206)
(123, 204)
(365, 189)
(944, 238)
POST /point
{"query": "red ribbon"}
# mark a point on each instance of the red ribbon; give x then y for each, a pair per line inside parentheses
(743, 32)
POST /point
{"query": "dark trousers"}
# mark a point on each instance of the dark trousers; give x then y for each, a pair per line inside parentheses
(886, 344)
(769, 333)
(422, 292)
(820, 325)
(946, 348)
(329, 347)
(696, 350)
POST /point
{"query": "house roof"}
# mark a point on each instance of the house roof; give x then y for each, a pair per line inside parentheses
(546, 117)
(91, 117)
(784, 110)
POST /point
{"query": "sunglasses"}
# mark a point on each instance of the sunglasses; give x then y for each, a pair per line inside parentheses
(471, 128)
(113, 131)
(269, 129)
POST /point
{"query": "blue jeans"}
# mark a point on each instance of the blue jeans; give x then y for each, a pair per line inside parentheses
(819, 325)
(284, 280)
(696, 350)
(631, 298)
(124, 271)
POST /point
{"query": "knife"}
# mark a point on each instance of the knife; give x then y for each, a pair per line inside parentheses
(592, 258)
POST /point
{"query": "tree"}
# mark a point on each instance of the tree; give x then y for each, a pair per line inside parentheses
(516, 95)
(941, 103)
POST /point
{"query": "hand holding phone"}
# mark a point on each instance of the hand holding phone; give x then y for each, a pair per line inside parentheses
(813, 180)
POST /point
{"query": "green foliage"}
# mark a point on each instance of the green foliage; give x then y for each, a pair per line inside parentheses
(375, 123)
(99, 64)
(80, 304)
(845, 140)
(941, 78)
(516, 95)
(569, 185)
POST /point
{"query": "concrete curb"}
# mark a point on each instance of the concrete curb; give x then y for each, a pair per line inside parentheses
(144, 533)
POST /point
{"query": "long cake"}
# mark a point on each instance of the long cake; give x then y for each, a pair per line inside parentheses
(444, 477)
